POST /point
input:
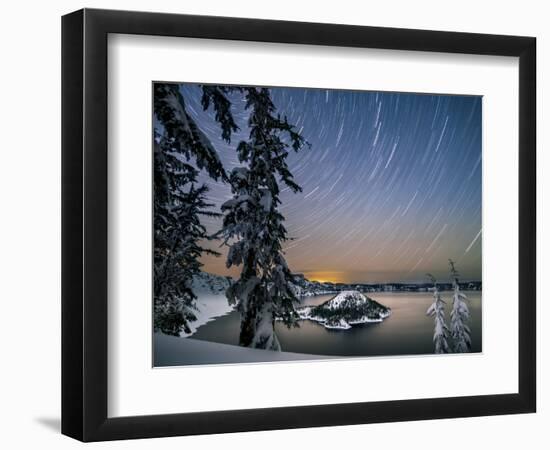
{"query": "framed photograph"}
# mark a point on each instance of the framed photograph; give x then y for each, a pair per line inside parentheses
(274, 224)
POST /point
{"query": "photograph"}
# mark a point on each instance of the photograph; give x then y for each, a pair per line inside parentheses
(309, 224)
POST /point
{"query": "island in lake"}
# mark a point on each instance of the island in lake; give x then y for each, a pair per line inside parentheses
(346, 309)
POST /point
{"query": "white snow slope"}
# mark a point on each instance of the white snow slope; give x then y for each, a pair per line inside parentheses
(173, 351)
(211, 300)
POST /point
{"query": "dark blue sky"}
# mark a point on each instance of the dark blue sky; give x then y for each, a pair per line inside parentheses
(391, 183)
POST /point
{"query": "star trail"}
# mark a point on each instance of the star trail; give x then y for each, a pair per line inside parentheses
(391, 183)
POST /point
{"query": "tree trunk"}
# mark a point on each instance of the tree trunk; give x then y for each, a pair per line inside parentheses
(257, 321)
(257, 326)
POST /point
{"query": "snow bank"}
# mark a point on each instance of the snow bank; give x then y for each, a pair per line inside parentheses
(338, 325)
(175, 351)
(211, 300)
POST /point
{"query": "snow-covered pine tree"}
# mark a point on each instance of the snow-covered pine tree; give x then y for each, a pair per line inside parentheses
(460, 315)
(179, 203)
(253, 225)
(437, 311)
(185, 139)
(177, 250)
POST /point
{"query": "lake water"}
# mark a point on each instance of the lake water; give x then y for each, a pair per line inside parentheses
(408, 331)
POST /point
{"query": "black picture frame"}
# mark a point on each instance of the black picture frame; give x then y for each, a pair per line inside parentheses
(84, 224)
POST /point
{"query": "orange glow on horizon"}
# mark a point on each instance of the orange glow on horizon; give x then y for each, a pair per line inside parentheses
(325, 277)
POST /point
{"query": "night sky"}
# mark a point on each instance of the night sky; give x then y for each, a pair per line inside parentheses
(391, 183)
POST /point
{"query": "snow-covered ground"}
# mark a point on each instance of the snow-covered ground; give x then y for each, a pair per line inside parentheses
(211, 300)
(338, 325)
(175, 351)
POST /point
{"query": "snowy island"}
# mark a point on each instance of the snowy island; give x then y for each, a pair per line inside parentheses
(346, 309)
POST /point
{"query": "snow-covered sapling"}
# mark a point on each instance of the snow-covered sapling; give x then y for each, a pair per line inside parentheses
(437, 311)
(460, 315)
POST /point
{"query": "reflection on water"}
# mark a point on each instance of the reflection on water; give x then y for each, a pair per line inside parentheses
(408, 331)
